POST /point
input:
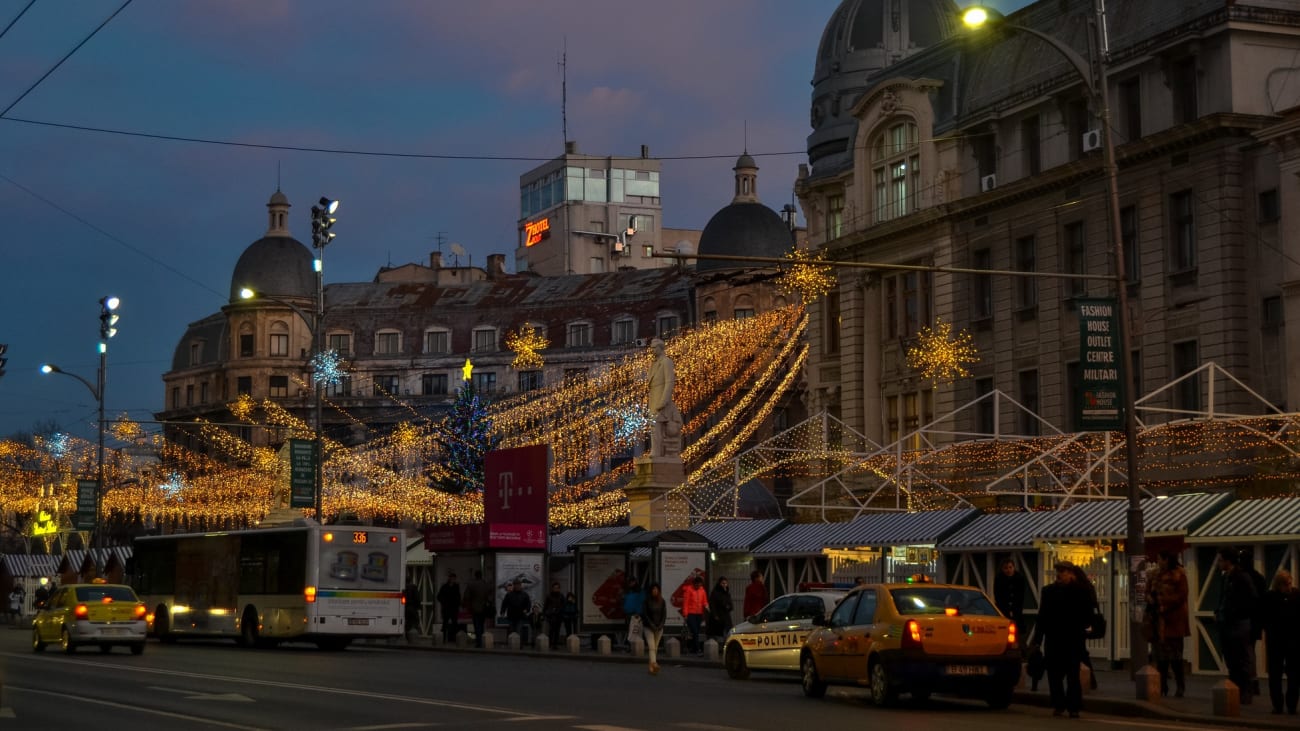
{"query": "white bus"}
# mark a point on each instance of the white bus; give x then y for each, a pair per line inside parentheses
(323, 584)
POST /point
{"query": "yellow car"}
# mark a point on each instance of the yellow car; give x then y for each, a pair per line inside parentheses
(917, 638)
(90, 614)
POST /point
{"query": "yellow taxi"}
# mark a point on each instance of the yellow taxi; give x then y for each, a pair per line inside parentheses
(770, 639)
(90, 614)
(917, 638)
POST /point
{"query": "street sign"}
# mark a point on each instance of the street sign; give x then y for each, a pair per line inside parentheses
(87, 492)
(302, 473)
(1099, 405)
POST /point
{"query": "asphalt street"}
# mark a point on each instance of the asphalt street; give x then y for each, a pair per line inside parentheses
(219, 685)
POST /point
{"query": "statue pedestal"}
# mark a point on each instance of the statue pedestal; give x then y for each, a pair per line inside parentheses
(647, 494)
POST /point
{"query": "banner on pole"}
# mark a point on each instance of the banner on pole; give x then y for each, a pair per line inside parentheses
(1099, 401)
(302, 473)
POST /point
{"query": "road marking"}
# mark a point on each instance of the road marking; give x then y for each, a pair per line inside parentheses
(65, 697)
(599, 727)
(1141, 724)
(197, 695)
(707, 726)
(381, 727)
(538, 718)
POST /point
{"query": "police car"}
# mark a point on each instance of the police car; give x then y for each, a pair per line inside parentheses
(770, 640)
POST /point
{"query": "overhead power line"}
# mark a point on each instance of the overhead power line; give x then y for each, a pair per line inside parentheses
(20, 14)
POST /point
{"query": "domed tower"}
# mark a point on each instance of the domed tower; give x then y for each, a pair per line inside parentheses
(746, 226)
(277, 264)
(862, 38)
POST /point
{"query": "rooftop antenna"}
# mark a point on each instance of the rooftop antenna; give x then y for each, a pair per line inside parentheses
(440, 239)
(277, 175)
(746, 136)
(564, 90)
(457, 251)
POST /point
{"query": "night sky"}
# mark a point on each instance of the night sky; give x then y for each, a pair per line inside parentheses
(160, 224)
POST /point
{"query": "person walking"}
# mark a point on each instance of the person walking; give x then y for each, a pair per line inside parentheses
(695, 602)
(517, 607)
(449, 603)
(1009, 591)
(1081, 578)
(1247, 564)
(1237, 605)
(1172, 625)
(1064, 615)
(755, 595)
(654, 613)
(478, 601)
(1282, 641)
(411, 599)
(632, 599)
(552, 611)
(720, 609)
(17, 598)
(570, 614)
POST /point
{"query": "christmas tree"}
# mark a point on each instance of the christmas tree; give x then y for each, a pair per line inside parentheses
(465, 440)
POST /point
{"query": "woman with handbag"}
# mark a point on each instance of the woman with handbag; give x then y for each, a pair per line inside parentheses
(1096, 621)
(1172, 622)
(1064, 616)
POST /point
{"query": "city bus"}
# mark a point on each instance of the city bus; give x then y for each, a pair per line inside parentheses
(323, 584)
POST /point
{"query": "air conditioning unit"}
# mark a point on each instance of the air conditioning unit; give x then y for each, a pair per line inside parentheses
(619, 247)
(1092, 140)
(988, 182)
(642, 342)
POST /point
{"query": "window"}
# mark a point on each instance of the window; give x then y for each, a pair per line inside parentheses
(530, 380)
(897, 170)
(342, 388)
(834, 217)
(485, 340)
(1026, 287)
(596, 265)
(279, 339)
(437, 342)
(246, 345)
(982, 286)
(485, 382)
(341, 343)
(907, 302)
(385, 386)
(709, 316)
(1187, 396)
(831, 324)
(244, 385)
(433, 384)
(203, 392)
(579, 335)
(807, 607)
(196, 353)
(624, 332)
(1128, 230)
(1031, 145)
(1028, 393)
(1078, 122)
(742, 313)
(279, 386)
(1182, 81)
(1271, 312)
(985, 147)
(891, 307)
(189, 395)
(778, 610)
(1269, 210)
(388, 343)
(1182, 221)
(891, 418)
(1076, 258)
(984, 423)
(843, 614)
(176, 397)
(667, 326)
(648, 251)
(1130, 108)
(866, 611)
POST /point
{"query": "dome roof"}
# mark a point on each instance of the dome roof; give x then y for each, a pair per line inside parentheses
(745, 161)
(278, 199)
(279, 266)
(740, 229)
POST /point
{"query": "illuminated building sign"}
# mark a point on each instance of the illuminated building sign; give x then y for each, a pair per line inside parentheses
(536, 231)
(44, 524)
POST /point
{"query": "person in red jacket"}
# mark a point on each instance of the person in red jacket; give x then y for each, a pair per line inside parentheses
(755, 595)
(695, 601)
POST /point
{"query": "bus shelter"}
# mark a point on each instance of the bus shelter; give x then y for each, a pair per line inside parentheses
(1270, 530)
(973, 555)
(560, 558)
(673, 558)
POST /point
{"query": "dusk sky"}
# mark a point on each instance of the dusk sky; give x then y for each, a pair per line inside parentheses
(160, 223)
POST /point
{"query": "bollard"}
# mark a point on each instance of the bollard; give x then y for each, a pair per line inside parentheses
(512, 641)
(575, 644)
(436, 639)
(462, 640)
(1225, 699)
(711, 650)
(603, 645)
(673, 647)
(638, 647)
(489, 639)
(543, 643)
(1147, 681)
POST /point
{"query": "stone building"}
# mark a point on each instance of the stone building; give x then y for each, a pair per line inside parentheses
(936, 147)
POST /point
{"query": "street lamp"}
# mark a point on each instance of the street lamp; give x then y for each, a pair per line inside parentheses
(108, 318)
(977, 17)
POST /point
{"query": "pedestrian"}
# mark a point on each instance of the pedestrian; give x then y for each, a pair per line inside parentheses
(1172, 624)
(1009, 591)
(449, 602)
(632, 599)
(1064, 614)
(517, 607)
(17, 597)
(411, 604)
(42, 593)
(478, 602)
(720, 609)
(1237, 604)
(1094, 618)
(552, 611)
(695, 603)
(654, 613)
(755, 595)
(860, 581)
(1247, 564)
(1282, 641)
(570, 614)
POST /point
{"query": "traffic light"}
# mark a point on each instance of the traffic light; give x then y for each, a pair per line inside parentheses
(3, 348)
(322, 220)
(108, 317)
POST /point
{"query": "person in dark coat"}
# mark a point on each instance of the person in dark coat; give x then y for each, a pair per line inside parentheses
(449, 602)
(1082, 579)
(552, 612)
(570, 613)
(1247, 564)
(1009, 591)
(755, 594)
(654, 613)
(1282, 641)
(516, 606)
(1064, 615)
(1237, 606)
(411, 596)
(478, 601)
(1172, 624)
(720, 609)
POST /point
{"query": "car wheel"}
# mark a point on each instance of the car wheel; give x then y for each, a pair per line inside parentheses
(813, 685)
(38, 645)
(883, 692)
(248, 634)
(734, 660)
(65, 642)
(162, 625)
(1000, 698)
(137, 648)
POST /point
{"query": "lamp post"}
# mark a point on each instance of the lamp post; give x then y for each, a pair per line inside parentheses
(107, 328)
(1134, 545)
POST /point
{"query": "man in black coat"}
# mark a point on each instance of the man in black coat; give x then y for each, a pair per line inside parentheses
(1009, 591)
(1238, 603)
(449, 603)
(516, 606)
(1063, 617)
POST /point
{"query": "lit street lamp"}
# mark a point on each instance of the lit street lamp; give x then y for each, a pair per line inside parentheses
(1094, 78)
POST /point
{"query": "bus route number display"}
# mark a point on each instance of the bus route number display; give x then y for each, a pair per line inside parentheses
(360, 536)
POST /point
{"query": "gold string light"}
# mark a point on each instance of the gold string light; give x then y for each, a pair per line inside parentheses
(942, 355)
(527, 343)
(807, 275)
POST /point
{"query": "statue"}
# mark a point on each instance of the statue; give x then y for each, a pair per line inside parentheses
(666, 435)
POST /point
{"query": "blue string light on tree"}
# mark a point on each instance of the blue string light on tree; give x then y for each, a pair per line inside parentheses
(57, 444)
(465, 440)
(327, 367)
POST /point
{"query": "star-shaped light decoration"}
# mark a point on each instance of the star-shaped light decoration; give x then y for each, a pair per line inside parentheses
(327, 367)
(57, 444)
(243, 407)
(942, 355)
(806, 275)
(467, 370)
(525, 343)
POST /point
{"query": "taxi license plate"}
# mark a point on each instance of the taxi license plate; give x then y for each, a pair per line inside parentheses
(966, 670)
(360, 620)
(113, 631)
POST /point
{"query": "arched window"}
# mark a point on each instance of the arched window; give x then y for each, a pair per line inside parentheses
(709, 310)
(279, 339)
(246, 343)
(485, 339)
(388, 342)
(743, 307)
(437, 341)
(896, 168)
(623, 331)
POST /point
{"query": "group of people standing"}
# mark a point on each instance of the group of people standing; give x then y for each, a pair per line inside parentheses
(1250, 609)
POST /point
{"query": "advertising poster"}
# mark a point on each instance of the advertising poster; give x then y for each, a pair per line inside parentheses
(523, 567)
(677, 569)
(603, 578)
(463, 566)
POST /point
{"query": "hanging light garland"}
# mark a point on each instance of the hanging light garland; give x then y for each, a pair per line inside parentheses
(942, 355)
(527, 343)
(807, 275)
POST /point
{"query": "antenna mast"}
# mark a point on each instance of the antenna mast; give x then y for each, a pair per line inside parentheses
(564, 91)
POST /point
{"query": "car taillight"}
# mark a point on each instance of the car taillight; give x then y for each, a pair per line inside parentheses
(911, 634)
(1011, 635)
(81, 611)
(140, 611)
(403, 599)
(309, 594)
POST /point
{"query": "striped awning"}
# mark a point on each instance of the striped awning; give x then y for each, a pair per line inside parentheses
(797, 539)
(899, 529)
(738, 535)
(73, 560)
(30, 565)
(998, 531)
(112, 554)
(1248, 521)
(1108, 519)
(562, 543)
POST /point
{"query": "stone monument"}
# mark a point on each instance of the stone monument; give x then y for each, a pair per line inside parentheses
(659, 471)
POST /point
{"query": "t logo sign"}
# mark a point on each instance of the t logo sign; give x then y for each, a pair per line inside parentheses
(505, 481)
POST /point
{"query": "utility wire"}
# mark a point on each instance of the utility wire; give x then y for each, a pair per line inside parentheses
(66, 56)
(16, 17)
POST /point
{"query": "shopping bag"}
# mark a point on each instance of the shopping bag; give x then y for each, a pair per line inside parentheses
(634, 629)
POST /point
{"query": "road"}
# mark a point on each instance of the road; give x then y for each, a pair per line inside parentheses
(217, 685)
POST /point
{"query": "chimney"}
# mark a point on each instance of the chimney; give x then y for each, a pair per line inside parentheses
(645, 152)
(496, 266)
(571, 147)
(435, 260)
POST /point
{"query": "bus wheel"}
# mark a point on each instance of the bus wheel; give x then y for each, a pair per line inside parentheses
(162, 625)
(248, 636)
(333, 644)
